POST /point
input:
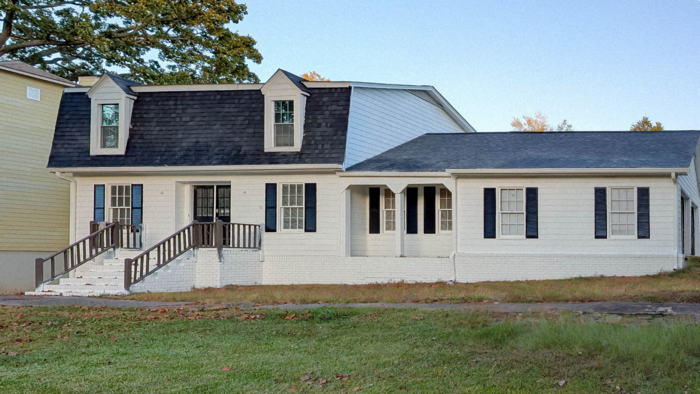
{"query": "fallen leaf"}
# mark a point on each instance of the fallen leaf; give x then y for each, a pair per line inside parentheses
(290, 317)
(356, 388)
(562, 383)
(226, 368)
(293, 388)
(305, 378)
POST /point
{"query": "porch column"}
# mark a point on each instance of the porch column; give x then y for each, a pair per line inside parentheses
(686, 224)
(400, 206)
(346, 223)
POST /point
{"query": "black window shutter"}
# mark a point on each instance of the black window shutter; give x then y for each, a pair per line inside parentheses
(411, 210)
(310, 207)
(489, 213)
(136, 204)
(270, 207)
(99, 214)
(429, 210)
(601, 213)
(531, 212)
(374, 210)
(643, 212)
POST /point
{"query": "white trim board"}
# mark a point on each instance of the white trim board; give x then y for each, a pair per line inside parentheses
(201, 170)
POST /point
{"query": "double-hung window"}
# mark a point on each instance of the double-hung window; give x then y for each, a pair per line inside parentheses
(623, 212)
(120, 203)
(109, 126)
(512, 212)
(292, 206)
(445, 210)
(284, 123)
(389, 211)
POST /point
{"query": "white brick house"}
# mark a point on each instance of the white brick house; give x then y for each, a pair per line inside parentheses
(348, 182)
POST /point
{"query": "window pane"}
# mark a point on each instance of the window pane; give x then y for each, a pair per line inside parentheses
(110, 115)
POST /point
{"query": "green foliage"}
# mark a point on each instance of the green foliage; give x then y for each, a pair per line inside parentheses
(646, 125)
(190, 40)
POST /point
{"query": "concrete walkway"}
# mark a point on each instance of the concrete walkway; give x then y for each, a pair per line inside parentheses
(82, 301)
(618, 308)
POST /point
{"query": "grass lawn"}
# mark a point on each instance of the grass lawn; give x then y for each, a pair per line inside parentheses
(328, 350)
(679, 286)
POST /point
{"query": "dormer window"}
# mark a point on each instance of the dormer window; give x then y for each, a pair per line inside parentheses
(109, 128)
(284, 123)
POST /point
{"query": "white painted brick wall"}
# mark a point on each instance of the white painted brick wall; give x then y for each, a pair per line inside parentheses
(179, 275)
(478, 267)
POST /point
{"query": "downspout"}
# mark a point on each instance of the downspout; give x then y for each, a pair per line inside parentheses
(73, 205)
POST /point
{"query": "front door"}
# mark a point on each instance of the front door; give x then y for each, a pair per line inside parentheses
(204, 204)
(212, 203)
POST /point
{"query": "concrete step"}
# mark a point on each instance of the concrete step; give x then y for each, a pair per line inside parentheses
(69, 293)
(91, 281)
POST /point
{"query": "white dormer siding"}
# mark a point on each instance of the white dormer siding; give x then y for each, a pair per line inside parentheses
(106, 92)
(383, 118)
(281, 89)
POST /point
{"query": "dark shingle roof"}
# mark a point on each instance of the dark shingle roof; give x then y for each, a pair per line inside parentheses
(198, 128)
(296, 80)
(438, 152)
(124, 84)
(25, 68)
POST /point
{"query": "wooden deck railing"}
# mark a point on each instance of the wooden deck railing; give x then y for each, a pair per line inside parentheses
(195, 235)
(78, 253)
(130, 236)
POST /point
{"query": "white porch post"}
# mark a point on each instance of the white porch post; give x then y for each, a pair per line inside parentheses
(346, 222)
(400, 206)
(686, 224)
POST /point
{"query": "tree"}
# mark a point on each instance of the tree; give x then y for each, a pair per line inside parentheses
(646, 125)
(538, 123)
(313, 76)
(157, 41)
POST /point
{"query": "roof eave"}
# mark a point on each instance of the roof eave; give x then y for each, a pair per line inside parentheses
(568, 171)
(12, 70)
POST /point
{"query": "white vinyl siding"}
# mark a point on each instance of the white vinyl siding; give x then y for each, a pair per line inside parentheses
(445, 209)
(292, 206)
(389, 211)
(623, 212)
(381, 119)
(512, 212)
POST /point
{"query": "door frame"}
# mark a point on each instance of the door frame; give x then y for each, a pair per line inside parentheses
(193, 201)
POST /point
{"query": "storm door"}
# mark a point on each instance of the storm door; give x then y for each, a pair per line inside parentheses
(212, 203)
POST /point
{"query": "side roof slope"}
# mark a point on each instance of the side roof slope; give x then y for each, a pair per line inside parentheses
(25, 69)
(518, 150)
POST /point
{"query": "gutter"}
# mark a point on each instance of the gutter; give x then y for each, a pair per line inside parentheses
(73, 205)
(245, 169)
(567, 171)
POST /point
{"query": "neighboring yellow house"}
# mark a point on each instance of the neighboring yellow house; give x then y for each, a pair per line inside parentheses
(34, 203)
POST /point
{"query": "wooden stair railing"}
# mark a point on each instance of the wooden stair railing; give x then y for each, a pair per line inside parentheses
(195, 235)
(79, 252)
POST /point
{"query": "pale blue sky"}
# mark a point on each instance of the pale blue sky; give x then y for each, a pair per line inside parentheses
(602, 65)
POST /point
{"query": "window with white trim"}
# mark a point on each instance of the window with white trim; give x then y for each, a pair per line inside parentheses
(120, 203)
(623, 211)
(389, 211)
(109, 126)
(512, 212)
(445, 210)
(284, 123)
(292, 206)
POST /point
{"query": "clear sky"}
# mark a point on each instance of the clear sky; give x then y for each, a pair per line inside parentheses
(602, 65)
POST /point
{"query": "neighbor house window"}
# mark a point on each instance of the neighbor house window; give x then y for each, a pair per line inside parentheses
(292, 206)
(284, 123)
(445, 210)
(622, 212)
(512, 212)
(109, 126)
(120, 203)
(389, 210)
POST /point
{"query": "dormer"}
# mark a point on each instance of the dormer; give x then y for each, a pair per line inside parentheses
(285, 107)
(112, 101)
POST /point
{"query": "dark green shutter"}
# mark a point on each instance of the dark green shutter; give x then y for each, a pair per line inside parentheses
(270, 207)
(411, 210)
(136, 204)
(531, 212)
(601, 213)
(310, 207)
(374, 214)
(99, 203)
(429, 210)
(643, 213)
(489, 212)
